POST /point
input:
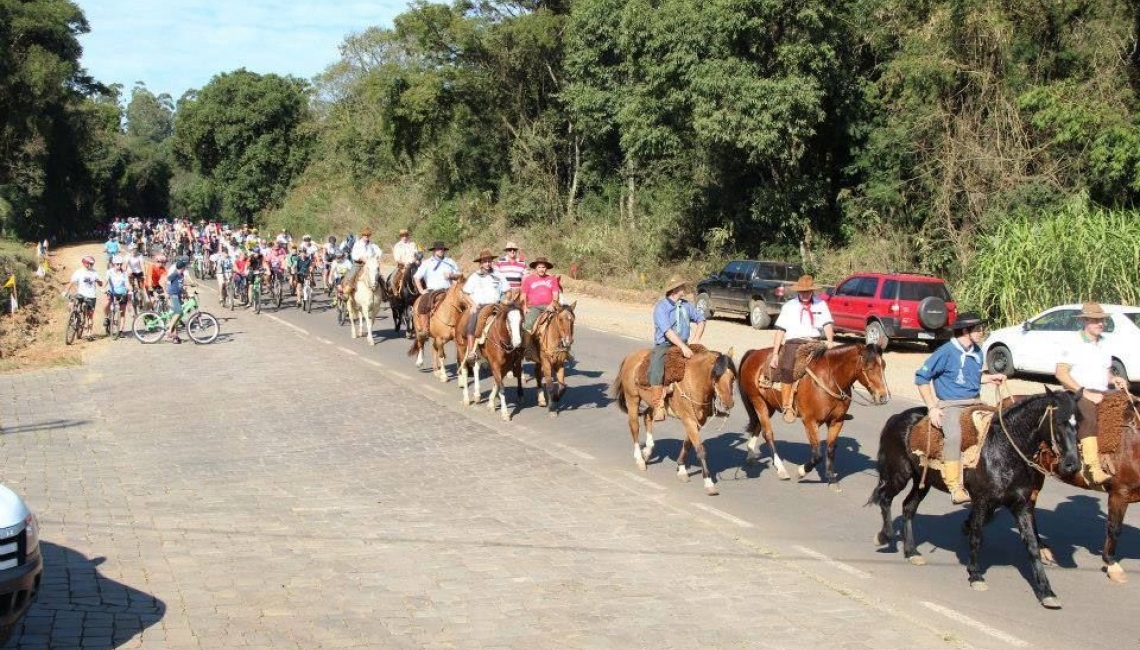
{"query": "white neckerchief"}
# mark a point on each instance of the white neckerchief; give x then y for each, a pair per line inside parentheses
(963, 355)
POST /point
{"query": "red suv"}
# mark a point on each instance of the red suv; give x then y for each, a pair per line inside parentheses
(900, 306)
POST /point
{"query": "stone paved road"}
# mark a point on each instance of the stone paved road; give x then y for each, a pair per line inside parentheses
(267, 492)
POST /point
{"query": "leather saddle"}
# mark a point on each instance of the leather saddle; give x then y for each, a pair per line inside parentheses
(926, 440)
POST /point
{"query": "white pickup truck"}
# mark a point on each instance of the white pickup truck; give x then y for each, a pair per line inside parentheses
(21, 564)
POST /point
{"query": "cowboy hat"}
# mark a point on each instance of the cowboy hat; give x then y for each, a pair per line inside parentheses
(511, 246)
(367, 232)
(438, 245)
(805, 283)
(403, 231)
(485, 255)
(1092, 311)
(541, 260)
(965, 320)
(675, 282)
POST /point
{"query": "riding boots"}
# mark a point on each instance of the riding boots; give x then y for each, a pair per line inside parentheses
(952, 476)
(658, 403)
(787, 397)
(1090, 456)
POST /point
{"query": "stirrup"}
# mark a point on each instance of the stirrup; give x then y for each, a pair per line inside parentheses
(959, 496)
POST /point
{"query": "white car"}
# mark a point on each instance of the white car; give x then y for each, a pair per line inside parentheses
(1035, 346)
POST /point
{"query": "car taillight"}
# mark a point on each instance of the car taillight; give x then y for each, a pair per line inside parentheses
(780, 291)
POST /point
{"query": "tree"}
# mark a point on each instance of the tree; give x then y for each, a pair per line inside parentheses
(150, 117)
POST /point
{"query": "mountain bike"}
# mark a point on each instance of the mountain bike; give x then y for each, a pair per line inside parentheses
(255, 291)
(202, 327)
(277, 287)
(76, 320)
(305, 300)
(112, 326)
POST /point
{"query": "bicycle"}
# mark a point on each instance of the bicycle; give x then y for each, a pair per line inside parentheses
(277, 287)
(112, 327)
(255, 291)
(305, 301)
(202, 327)
(158, 301)
(76, 320)
(136, 296)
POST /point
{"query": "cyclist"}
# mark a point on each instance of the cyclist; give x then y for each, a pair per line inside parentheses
(111, 248)
(330, 251)
(155, 277)
(256, 268)
(119, 291)
(224, 267)
(175, 284)
(241, 274)
(302, 267)
(135, 267)
(86, 282)
(340, 268)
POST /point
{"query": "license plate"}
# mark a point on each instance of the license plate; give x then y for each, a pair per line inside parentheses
(926, 335)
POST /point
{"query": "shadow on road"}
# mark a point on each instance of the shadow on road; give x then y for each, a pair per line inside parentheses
(79, 607)
(42, 426)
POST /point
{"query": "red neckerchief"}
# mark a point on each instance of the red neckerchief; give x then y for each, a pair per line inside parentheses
(807, 309)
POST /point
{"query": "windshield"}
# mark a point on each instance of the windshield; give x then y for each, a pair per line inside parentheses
(1135, 318)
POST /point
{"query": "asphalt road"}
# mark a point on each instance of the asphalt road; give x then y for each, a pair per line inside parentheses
(827, 534)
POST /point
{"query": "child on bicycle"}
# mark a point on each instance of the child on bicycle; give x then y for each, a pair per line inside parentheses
(302, 266)
(119, 292)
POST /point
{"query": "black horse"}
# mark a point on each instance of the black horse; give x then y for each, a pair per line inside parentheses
(1003, 477)
(401, 302)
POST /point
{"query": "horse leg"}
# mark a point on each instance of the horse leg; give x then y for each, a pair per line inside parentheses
(1117, 507)
(517, 371)
(693, 434)
(560, 387)
(980, 512)
(547, 390)
(439, 361)
(1046, 553)
(833, 430)
(909, 510)
(463, 376)
(500, 383)
(812, 429)
(1041, 586)
(632, 402)
(682, 461)
(770, 437)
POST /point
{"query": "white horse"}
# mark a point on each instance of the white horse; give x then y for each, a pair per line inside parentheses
(365, 301)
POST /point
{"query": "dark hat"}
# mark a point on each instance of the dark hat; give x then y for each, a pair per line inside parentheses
(965, 320)
(438, 245)
(541, 260)
(485, 255)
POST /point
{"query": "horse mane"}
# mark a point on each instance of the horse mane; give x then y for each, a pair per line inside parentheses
(723, 363)
(1026, 408)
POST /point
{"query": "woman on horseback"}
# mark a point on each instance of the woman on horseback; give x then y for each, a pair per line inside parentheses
(672, 318)
(951, 381)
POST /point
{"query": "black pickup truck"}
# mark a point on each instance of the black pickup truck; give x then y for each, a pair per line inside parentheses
(750, 288)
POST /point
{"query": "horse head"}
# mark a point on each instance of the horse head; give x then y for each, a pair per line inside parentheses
(723, 379)
(562, 323)
(372, 273)
(1062, 437)
(873, 375)
(513, 320)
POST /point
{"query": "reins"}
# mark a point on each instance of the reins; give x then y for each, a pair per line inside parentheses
(1052, 432)
(717, 402)
(839, 393)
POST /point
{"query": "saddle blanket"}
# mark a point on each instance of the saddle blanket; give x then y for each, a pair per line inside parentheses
(926, 440)
(675, 363)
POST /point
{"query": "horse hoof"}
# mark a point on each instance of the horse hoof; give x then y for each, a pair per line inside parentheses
(646, 452)
(917, 560)
(801, 471)
(1051, 602)
(979, 585)
(752, 460)
(641, 464)
(711, 490)
(506, 417)
(552, 415)
(835, 488)
(683, 475)
(881, 539)
(1116, 574)
(1047, 557)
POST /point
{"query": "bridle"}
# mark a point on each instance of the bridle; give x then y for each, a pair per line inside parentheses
(719, 403)
(1053, 446)
(504, 342)
(851, 395)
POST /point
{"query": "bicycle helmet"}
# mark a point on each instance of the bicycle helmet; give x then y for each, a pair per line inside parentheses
(256, 249)
(88, 260)
(160, 259)
(117, 259)
(180, 264)
(307, 238)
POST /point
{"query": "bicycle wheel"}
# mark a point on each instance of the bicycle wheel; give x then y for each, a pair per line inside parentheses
(203, 328)
(278, 293)
(149, 327)
(256, 299)
(72, 328)
(113, 326)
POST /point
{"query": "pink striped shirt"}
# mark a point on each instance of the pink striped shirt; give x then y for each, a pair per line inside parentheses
(512, 270)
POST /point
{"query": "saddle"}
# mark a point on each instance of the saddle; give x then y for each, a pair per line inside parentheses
(675, 364)
(926, 440)
(431, 301)
(486, 318)
(805, 353)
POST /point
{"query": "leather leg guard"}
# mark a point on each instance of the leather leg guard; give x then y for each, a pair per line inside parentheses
(952, 476)
(1090, 457)
(658, 403)
(787, 398)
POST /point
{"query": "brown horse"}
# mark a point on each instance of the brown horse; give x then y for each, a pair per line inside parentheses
(552, 341)
(823, 397)
(704, 391)
(502, 348)
(439, 326)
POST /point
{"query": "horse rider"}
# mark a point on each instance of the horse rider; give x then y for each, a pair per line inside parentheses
(673, 317)
(362, 251)
(404, 255)
(1086, 363)
(949, 382)
(483, 289)
(540, 291)
(437, 273)
(511, 266)
(802, 319)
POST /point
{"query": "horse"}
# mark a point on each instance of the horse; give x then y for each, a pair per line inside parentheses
(364, 302)
(1004, 476)
(823, 397)
(439, 327)
(550, 351)
(705, 390)
(402, 294)
(502, 348)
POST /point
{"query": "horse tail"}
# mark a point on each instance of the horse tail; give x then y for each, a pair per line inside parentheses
(617, 390)
(753, 419)
(893, 460)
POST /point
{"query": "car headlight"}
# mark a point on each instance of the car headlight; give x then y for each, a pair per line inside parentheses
(32, 534)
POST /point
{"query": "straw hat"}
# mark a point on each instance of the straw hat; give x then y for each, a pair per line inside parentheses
(1092, 311)
(674, 283)
(485, 255)
(511, 246)
(541, 260)
(367, 232)
(404, 232)
(805, 283)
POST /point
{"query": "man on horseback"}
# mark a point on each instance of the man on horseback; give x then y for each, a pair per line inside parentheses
(672, 321)
(511, 266)
(540, 292)
(404, 255)
(433, 276)
(362, 250)
(802, 319)
(1087, 364)
(949, 382)
(483, 289)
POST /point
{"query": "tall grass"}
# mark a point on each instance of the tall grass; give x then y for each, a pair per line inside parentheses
(1026, 264)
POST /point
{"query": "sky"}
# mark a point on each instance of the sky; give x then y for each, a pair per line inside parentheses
(176, 45)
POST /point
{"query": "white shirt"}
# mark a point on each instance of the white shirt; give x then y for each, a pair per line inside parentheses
(1090, 361)
(486, 289)
(434, 272)
(363, 251)
(86, 282)
(404, 252)
(135, 264)
(800, 322)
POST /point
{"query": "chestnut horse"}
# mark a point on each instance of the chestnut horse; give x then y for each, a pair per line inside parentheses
(704, 391)
(823, 397)
(502, 349)
(552, 349)
(439, 327)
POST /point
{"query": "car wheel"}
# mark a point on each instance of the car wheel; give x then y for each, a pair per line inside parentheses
(758, 315)
(876, 335)
(1000, 360)
(1118, 369)
(704, 304)
(932, 313)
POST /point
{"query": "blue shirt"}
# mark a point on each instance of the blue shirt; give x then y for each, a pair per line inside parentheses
(676, 316)
(955, 372)
(175, 279)
(434, 272)
(112, 248)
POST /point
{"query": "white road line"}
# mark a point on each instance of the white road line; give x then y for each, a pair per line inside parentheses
(407, 378)
(847, 568)
(347, 351)
(433, 389)
(325, 341)
(288, 324)
(723, 515)
(580, 454)
(627, 336)
(372, 362)
(977, 625)
(645, 481)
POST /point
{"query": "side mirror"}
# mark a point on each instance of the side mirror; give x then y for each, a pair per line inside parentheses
(1025, 327)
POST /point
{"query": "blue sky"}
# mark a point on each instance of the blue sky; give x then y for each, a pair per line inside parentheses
(175, 45)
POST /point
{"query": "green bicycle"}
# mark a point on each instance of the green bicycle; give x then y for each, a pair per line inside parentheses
(255, 291)
(202, 327)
